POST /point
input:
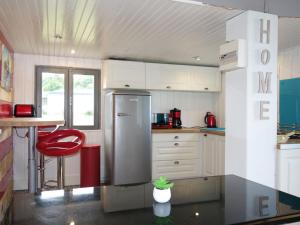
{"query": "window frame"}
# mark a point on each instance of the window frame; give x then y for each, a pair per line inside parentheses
(68, 89)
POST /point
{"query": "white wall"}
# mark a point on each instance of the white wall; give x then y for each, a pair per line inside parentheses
(24, 93)
(194, 106)
(289, 63)
(250, 142)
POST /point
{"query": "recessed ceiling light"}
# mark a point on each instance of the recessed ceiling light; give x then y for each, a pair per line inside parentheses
(191, 2)
(58, 36)
(196, 58)
(72, 51)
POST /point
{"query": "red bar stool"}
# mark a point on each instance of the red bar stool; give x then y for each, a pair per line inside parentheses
(43, 132)
(54, 145)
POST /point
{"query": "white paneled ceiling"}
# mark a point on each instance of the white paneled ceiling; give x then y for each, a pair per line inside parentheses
(289, 33)
(156, 30)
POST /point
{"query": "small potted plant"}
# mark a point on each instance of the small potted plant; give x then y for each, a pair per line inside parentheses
(162, 190)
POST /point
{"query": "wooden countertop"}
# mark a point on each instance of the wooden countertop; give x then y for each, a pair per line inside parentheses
(187, 130)
(176, 130)
(29, 122)
(216, 132)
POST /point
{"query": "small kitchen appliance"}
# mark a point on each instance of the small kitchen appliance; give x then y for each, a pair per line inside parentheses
(161, 121)
(24, 110)
(176, 118)
(210, 120)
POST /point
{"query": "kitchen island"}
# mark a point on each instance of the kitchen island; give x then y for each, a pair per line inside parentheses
(206, 200)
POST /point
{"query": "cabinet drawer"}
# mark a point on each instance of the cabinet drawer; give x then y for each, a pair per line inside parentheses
(176, 137)
(175, 150)
(176, 169)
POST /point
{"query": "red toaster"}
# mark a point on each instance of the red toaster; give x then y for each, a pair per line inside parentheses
(24, 110)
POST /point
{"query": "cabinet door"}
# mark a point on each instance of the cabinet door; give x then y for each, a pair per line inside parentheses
(288, 174)
(220, 155)
(213, 155)
(204, 79)
(124, 74)
(166, 77)
(209, 155)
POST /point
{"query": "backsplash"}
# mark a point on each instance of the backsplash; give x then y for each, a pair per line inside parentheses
(193, 105)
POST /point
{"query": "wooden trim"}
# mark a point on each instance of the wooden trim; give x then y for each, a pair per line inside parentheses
(29, 122)
(5, 42)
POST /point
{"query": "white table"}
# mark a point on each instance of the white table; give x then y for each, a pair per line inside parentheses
(31, 123)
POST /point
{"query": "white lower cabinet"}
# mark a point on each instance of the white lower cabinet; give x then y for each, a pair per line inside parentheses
(213, 155)
(288, 167)
(176, 155)
(186, 155)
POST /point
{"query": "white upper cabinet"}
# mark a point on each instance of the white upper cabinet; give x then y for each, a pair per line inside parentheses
(165, 77)
(124, 74)
(182, 77)
(204, 79)
(156, 76)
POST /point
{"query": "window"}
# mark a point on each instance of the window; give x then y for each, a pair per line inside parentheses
(70, 94)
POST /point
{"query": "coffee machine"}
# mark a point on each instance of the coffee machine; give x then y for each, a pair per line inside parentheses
(176, 118)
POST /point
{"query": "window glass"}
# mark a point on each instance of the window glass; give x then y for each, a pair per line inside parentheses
(53, 95)
(83, 100)
(69, 94)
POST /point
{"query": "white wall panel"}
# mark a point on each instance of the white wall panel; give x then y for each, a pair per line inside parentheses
(193, 105)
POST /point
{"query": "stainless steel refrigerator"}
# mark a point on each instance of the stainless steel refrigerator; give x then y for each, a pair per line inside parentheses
(128, 137)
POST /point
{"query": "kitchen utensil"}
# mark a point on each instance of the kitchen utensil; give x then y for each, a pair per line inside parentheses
(210, 120)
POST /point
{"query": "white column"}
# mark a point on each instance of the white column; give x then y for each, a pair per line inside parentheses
(251, 100)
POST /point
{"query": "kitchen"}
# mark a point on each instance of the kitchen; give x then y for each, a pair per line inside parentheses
(194, 96)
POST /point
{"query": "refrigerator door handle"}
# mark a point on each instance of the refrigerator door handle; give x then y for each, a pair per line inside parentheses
(123, 114)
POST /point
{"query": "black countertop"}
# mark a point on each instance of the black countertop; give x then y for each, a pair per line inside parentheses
(212, 200)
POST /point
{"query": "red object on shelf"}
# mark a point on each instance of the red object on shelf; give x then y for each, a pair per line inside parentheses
(90, 166)
(24, 110)
(51, 146)
(210, 120)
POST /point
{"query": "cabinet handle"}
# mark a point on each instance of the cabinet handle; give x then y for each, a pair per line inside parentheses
(126, 85)
(205, 88)
(176, 162)
(176, 144)
(176, 137)
(205, 135)
(168, 87)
